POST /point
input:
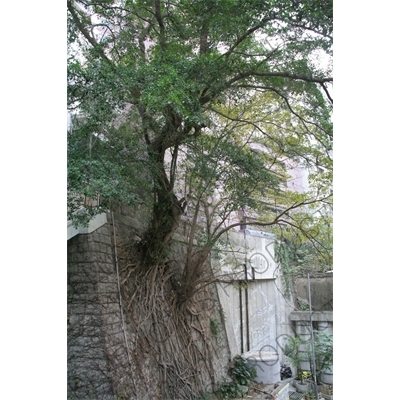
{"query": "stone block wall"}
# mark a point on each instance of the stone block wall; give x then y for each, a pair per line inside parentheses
(95, 333)
(105, 358)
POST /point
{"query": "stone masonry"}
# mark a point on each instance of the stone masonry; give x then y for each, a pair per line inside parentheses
(101, 343)
(94, 317)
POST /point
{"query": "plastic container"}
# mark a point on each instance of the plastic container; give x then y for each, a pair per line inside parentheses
(267, 365)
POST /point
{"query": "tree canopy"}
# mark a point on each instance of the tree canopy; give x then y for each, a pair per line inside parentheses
(203, 108)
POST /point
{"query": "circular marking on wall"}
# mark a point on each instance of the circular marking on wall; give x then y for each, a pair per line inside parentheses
(259, 262)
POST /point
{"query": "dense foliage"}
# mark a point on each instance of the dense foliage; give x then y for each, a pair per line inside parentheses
(242, 375)
(320, 349)
(201, 108)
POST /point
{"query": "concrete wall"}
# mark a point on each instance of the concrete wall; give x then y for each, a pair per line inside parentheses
(321, 289)
(262, 322)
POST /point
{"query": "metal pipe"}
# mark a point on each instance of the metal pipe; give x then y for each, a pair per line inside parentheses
(246, 297)
(241, 317)
(312, 340)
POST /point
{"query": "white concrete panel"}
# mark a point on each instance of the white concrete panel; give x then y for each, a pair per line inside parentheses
(229, 298)
(95, 223)
(262, 315)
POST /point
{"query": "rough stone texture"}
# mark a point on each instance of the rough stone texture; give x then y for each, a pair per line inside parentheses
(88, 368)
(97, 354)
(104, 361)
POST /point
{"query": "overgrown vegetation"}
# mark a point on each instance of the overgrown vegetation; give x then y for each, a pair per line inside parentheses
(299, 254)
(242, 374)
(215, 327)
(195, 111)
(292, 351)
(323, 353)
(323, 350)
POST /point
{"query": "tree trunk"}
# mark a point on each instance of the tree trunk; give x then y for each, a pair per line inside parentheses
(165, 219)
(167, 210)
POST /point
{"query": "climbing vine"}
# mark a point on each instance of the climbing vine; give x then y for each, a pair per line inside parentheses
(284, 255)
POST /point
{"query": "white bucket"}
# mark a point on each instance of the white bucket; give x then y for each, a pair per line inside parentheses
(327, 376)
(267, 366)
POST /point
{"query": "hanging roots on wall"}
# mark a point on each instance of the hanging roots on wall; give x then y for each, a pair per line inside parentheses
(177, 340)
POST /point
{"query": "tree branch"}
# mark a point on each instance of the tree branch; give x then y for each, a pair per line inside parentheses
(327, 93)
(242, 38)
(303, 120)
(86, 34)
(312, 239)
(279, 74)
(312, 30)
(158, 15)
(275, 221)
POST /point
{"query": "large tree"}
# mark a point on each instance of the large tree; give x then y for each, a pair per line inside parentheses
(195, 110)
(180, 100)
